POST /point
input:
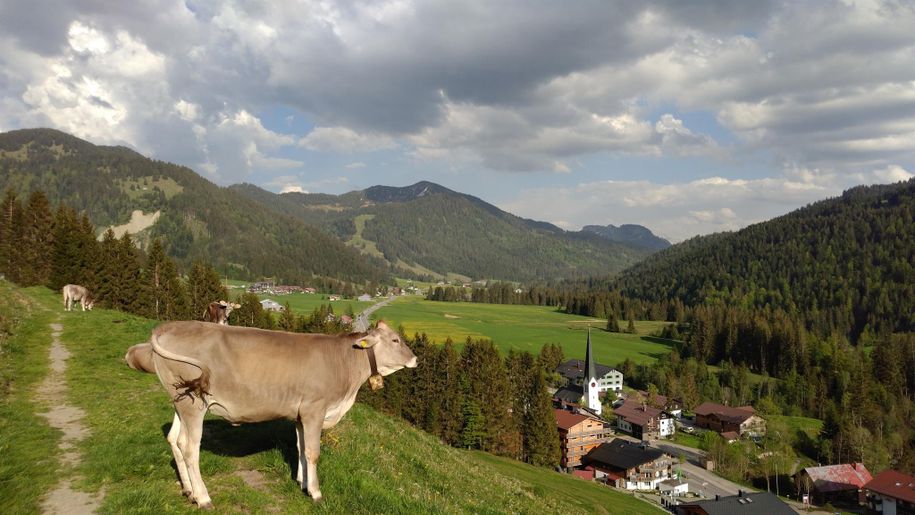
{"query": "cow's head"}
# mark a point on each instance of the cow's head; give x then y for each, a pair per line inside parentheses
(89, 303)
(391, 353)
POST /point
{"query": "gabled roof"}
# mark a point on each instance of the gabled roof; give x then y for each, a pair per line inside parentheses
(835, 478)
(622, 454)
(726, 413)
(763, 503)
(893, 484)
(567, 420)
(570, 394)
(635, 413)
(574, 369)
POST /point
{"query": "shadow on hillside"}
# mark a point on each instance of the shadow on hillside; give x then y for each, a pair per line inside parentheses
(662, 341)
(224, 439)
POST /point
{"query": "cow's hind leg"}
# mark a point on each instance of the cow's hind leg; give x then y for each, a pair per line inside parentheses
(173, 439)
(191, 415)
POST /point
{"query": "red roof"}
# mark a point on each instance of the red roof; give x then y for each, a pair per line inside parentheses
(730, 436)
(893, 484)
(567, 420)
(835, 478)
(736, 415)
(634, 412)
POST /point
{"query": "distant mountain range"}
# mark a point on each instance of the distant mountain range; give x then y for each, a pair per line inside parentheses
(422, 230)
(198, 219)
(632, 235)
(427, 229)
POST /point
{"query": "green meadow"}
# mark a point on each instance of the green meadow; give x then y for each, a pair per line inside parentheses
(524, 328)
(305, 303)
(370, 463)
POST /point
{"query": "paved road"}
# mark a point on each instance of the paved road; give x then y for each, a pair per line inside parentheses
(364, 319)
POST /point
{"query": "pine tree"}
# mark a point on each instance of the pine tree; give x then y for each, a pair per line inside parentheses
(166, 295)
(65, 261)
(486, 384)
(541, 441)
(452, 398)
(630, 327)
(612, 325)
(287, 321)
(37, 245)
(131, 298)
(250, 313)
(10, 233)
(204, 286)
(474, 431)
(107, 287)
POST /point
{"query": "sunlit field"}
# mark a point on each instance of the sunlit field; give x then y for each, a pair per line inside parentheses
(524, 328)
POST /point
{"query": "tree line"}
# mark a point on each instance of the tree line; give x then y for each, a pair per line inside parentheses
(477, 399)
(41, 245)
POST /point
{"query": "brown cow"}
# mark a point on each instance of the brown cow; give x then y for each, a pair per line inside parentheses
(73, 293)
(251, 375)
(218, 312)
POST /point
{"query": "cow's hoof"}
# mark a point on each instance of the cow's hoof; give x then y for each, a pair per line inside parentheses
(317, 499)
(206, 506)
(187, 493)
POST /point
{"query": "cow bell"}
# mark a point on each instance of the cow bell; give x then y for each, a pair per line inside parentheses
(376, 382)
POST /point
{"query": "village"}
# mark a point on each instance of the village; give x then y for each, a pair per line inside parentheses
(631, 449)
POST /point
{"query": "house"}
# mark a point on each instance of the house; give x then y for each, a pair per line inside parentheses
(831, 482)
(720, 418)
(310, 290)
(892, 493)
(568, 396)
(763, 503)
(271, 305)
(346, 320)
(578, 435)
(608, 379)
(674, 487)
(629, 465)
(643, 421)
(365, 297)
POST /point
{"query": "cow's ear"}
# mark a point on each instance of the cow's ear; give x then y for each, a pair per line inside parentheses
(366, 341)
(382, 325)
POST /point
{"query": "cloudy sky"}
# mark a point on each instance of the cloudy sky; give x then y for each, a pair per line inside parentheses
(686, 116)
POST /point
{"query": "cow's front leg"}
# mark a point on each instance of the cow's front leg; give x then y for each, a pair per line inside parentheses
(311, 432)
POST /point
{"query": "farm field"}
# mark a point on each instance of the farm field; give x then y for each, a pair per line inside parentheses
(370, 463)
(524, 328)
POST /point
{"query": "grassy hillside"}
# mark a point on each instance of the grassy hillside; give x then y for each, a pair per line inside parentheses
(524, 328)
(199, 220)
(428, 229)
(369, 463)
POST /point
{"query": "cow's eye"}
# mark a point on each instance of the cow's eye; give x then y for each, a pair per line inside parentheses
(396, 340)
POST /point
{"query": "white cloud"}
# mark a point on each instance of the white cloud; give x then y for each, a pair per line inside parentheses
(344, 140)
(293, 189)
(355, 166)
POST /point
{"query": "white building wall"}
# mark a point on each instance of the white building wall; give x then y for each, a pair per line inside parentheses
(889, 505)
(667, 427)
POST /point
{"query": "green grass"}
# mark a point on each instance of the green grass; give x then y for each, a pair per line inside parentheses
(810, 426)
(28, 446)
(305, 303)
(365, 246)
(687, 439)
(370, 463)
(168, 186)
(524, 328)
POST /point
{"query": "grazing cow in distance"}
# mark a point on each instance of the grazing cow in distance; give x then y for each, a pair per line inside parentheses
(75, 292)
(246, 375)
(218, 312)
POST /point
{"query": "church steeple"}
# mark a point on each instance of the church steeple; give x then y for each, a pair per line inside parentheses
(589, 384)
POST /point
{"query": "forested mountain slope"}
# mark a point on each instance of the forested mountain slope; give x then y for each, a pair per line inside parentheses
(846, 264)
(426, 226)
(198, 219)
(630, 234)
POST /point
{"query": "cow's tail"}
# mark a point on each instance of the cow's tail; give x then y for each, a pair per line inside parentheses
(199, 386)
(139, 357)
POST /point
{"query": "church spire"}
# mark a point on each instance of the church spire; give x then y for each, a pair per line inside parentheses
(590, 384)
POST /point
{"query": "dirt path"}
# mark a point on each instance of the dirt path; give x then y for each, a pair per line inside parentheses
(69, 419)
